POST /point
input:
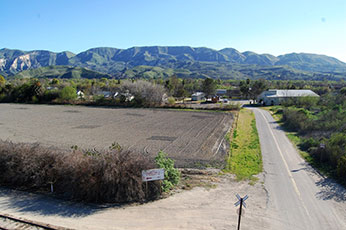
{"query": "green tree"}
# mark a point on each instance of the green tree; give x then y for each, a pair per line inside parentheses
(2, 81)
(180, 91)
(172, 84)
(244, 89)
(55, 82)
(209, 86)
(68, 93)
(257, 88)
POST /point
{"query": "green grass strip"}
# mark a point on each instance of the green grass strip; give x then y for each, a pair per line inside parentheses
(245, 159)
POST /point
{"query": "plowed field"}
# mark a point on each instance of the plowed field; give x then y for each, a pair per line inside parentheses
(191, 138)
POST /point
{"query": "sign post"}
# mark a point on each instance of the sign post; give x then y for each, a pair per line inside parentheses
(151, 175)
(241, 202)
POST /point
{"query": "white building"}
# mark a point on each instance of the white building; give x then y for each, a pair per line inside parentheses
(197, 96)
(277, 96)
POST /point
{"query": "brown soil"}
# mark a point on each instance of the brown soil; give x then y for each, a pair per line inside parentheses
(191, 138)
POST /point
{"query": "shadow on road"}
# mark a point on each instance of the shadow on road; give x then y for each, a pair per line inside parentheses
(297, 170)
(330, 190)
(23, 202)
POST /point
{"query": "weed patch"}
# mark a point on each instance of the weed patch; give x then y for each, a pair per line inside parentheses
(172, 175)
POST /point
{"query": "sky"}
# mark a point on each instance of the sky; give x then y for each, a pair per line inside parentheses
(262, 26)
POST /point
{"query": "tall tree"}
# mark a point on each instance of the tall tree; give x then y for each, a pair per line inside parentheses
(244, 89)
(257, 87)
(209, 86)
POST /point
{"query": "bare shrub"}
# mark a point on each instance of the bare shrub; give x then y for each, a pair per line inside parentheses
(147, 93)
(108, 176)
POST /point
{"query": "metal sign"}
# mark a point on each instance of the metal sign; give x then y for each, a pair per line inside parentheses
(241, 200)
(153, 174)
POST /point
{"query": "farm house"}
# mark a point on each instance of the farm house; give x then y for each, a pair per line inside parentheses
(197, 96)
(277, 96)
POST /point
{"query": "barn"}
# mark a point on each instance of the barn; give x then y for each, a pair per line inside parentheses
(277, 96)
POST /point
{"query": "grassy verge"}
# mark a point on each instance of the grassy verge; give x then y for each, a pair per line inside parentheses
(245, 159)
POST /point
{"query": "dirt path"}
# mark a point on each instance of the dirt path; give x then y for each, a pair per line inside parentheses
(199, 208)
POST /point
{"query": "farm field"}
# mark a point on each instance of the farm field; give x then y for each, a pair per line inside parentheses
(190, 138)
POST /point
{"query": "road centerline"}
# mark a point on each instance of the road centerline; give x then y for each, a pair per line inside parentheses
(286, 165)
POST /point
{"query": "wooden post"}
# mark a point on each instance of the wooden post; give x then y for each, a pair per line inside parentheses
(146, 190)
(160, 187)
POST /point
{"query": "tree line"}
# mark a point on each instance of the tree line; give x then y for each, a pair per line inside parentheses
(44, 90)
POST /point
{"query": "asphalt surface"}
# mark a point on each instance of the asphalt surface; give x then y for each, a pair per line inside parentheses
(297, 196)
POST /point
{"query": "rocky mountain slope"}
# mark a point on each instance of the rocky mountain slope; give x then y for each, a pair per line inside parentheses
(117, 62)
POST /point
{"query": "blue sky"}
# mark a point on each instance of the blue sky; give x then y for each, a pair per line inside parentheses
(262, 26)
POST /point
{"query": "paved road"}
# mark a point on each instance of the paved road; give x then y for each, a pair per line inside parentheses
(298, 198)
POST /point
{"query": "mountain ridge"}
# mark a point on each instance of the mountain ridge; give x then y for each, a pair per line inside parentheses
(116, 61)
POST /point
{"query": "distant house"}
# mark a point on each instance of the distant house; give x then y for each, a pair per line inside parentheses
(277, 96)
(221, 92)
(197, 96)
(234, 93)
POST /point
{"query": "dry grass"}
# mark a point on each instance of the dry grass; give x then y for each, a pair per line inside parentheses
(92, 176)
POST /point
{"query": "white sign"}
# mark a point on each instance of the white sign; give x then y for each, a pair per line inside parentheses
(153, 174)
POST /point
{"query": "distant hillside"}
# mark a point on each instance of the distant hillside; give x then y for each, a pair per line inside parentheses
(225, 63)
(60, 72)
(311, 62)
(228, 71)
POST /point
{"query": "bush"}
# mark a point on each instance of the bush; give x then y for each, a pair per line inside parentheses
(301, 102)
(171, 101)
(172, 175)
(308, 143)
(341, 169)
(68, 93)
(145, 93)
(112, 175)
(232, 106)
(50, 95)
(299, 120)
(336, 147)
